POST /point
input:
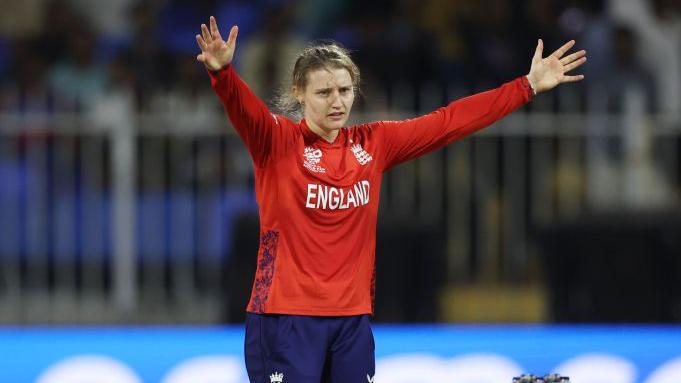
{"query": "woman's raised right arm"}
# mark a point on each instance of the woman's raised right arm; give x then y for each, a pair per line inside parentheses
(249, 115)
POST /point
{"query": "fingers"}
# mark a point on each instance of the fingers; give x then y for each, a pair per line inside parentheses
(202, 43)
(538, 51)
(206, 34)
(573, 78)
(561, 51)
(574, 65)
(570, 58)
(200, 57)
(231, 40)
(214, 29)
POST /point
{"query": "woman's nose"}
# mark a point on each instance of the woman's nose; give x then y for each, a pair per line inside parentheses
(335, 99)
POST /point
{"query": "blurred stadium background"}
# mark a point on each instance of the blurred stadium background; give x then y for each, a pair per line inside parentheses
(127, 199)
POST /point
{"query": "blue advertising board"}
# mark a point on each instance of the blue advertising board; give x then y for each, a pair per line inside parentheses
(404, 354)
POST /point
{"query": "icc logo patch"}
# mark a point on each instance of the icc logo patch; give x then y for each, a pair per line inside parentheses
(311, 160)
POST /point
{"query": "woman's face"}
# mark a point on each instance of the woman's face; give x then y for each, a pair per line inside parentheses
(327, 100)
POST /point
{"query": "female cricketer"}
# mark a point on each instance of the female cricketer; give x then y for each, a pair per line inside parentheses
(317, 184)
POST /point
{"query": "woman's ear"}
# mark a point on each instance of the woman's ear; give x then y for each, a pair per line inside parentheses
(298, 94)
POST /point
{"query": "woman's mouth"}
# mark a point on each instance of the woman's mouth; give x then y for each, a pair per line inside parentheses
(336, 115)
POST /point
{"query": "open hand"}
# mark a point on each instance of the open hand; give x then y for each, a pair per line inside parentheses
(547, 73)
(215, 52)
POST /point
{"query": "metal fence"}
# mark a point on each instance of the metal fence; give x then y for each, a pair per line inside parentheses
(129, 218)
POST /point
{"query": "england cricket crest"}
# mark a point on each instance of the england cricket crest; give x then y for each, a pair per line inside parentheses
(360, 154)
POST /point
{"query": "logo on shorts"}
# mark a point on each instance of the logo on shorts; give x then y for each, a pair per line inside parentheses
(370, 379)
(277, 377)
(312, 158)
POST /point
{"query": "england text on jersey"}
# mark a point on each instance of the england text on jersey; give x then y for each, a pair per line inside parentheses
(329, 197)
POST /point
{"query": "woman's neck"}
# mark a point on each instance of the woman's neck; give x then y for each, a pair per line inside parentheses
(328, 135)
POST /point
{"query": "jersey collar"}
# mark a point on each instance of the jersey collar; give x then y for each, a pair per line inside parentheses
(313, 138)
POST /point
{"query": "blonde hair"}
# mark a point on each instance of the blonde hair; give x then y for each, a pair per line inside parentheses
(319, 55)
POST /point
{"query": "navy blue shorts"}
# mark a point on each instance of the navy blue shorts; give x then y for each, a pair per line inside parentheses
(309, 349)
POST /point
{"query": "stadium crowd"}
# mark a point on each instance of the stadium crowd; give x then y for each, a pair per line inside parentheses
(60, 55)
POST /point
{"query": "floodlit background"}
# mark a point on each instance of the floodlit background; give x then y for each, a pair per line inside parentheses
(126, 199)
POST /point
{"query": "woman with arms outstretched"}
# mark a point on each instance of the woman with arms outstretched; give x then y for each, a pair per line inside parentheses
(317, 186)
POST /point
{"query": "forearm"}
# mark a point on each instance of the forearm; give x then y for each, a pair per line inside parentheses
(467, 115)
(239, 101)
(405, 140)
(248, 114)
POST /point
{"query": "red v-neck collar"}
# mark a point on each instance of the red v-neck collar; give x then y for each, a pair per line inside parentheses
(312, 137)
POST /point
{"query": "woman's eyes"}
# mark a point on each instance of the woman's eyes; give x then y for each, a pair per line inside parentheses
(327, 92)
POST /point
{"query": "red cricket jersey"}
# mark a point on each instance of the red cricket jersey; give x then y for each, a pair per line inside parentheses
(318, 201)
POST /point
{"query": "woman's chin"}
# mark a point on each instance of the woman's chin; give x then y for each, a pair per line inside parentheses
(334, 124)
